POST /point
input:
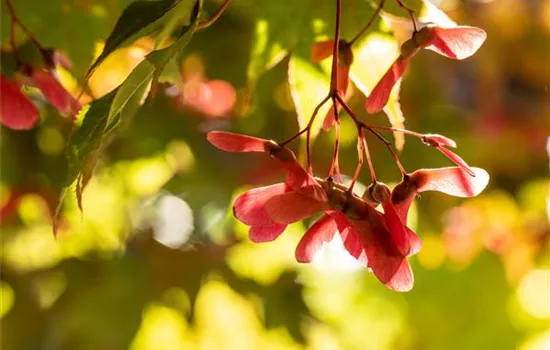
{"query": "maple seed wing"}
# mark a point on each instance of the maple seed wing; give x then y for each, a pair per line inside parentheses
(291, 207)
(54, 92)
(397, 230)
(455, 158)
(321, 50)
(381, 93)
(249, 206)
(321, 231)
(458, 42)
(230, 142)
(453, 181)
(16, 111)
(262, 234)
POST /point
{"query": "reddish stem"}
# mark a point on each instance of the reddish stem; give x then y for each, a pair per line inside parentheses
(334, 71)
(359, 160)
(367, 153)
(369, 23)
(410, 12)
(334, 165)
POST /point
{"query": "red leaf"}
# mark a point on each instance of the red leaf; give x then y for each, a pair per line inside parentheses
(320, 232)
(321, 50)
(381, 93)
(54, 92)
(458, 42)
(452, 181)
(16, 111)
(231, 142)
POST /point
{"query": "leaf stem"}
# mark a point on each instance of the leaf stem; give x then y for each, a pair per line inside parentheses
(214, 17)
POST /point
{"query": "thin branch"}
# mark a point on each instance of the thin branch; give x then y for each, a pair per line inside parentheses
(334, 166)
(390, 148)
(359, 160)
(367, 153)
(335, 47)
(214, 17)
(410, 12)
(369, 23)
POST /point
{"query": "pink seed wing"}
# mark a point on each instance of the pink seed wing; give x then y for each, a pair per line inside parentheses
(249, 206)
(453, 181)
(291, 207)
(321, 50)
(381, 92)
(396, 228)
(414, 242)
(441, 140)
(268, 233)
(230, 142)
(351, 239)
(16, 111)
(54, 92)
(455, 158)
(320, 232)
(391, 269)
(458, 42)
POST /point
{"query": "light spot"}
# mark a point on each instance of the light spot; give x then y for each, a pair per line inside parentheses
(534, 293)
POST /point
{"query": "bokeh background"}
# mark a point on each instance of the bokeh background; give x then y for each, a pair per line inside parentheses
(157, 261)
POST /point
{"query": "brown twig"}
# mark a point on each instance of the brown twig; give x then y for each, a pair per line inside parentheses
(369, 23)
(214, 17)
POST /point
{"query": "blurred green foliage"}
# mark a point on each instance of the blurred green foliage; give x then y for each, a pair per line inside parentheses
(126, 273)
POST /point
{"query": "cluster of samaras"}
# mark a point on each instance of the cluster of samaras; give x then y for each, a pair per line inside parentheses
(381, 241)
(378, 239)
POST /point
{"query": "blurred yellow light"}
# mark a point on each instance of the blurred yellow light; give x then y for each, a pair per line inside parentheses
(540, 341)
(180, 156)
(147, 176)
(534, 293)
(7, 298)
(432, 254)
(50, 141)
(32, 249)
(32, 208)
(224, 319)
(162, 328)
(265, 262)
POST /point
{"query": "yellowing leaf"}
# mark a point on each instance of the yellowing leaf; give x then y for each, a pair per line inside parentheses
(309, 85)
(373, 56)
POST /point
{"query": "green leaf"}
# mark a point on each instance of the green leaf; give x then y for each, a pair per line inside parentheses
(277, 30)
(133, 88)
(372, 58)
(102, 116)
(136, 18)
(160, 58)
(84, 146)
